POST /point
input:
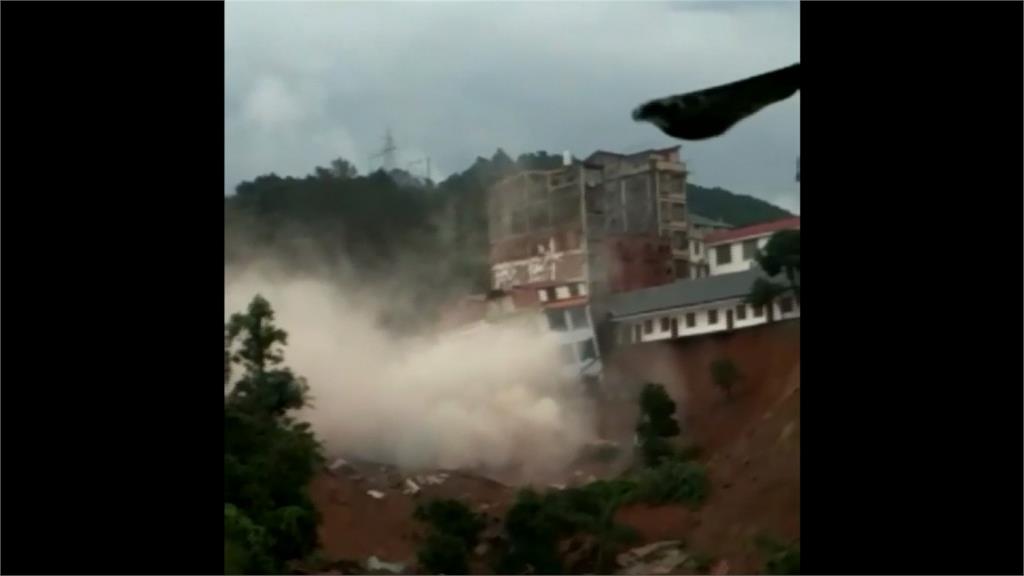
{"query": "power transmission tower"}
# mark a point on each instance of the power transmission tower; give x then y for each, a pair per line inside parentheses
(387, 154)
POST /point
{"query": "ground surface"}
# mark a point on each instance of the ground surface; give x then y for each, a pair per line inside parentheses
(750, 444)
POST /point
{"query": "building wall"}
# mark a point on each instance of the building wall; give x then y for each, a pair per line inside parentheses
(573, 336)
(738, 263)
(638, 261)
(629, 330)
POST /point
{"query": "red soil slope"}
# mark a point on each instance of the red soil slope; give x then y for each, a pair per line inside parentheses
(751, 444)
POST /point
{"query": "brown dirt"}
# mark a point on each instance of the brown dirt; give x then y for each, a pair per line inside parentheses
(355, 526)
(751, 444)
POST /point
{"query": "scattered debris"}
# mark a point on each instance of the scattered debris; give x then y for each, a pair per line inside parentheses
(432, 479)
(375, 494)
(656, 558)
(557, 486)
(375, 565)
(411, 488)
(340, 462)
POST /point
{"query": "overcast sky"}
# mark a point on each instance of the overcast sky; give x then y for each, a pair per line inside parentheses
(308, 82)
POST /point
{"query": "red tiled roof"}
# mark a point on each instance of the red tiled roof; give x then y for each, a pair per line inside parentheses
(718, 236)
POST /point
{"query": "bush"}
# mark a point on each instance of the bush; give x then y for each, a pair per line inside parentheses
(781, 558)
(725, 374)
(452, 517)
(700, 562)
(443, 553)
(657, 423)
(672, 481)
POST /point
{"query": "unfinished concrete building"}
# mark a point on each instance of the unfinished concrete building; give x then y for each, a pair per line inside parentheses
(612, 223)
(615, 220)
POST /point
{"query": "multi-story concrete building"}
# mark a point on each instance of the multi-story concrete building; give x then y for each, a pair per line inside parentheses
(588, 229)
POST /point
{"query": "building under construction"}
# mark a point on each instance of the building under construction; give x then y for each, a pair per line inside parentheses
(576, 234)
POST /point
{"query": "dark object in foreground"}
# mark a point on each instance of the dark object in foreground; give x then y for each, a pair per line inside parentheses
(711, 112)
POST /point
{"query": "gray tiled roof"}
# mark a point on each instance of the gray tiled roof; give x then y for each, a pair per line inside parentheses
(686, 293)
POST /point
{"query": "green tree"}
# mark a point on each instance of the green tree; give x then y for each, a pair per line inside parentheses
(451, 517)
(763, 294)
(443, 553)
(782, 255)
(725, 374)
(657, 423)
(269, 457)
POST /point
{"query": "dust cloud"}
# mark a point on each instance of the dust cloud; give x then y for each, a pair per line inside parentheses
(490, 400)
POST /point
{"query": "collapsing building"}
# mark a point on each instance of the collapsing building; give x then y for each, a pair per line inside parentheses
(578, 233)
(605, 252)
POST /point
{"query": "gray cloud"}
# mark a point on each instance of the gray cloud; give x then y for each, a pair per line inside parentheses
(307, 82)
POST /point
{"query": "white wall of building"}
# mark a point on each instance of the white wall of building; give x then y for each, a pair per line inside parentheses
(661, 330)
(737, 262)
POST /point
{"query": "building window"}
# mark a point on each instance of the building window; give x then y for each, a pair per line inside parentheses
(712, 317)
(749, 249)
(786, 305)
(588, 351)
(582, 289)
(678, 212)
(556, 320)
(562, 292)
(758, 311)
(691, 319)
(578, 316)
(664, 325)
(741, 312)
(648, 326)
(568, 354)
(636, 333)
(543, 295)
(723, 254)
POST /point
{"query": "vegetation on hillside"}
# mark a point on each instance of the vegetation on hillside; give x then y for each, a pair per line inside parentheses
(454, 531)
(538, 524)
(736, 209)
(269, 457)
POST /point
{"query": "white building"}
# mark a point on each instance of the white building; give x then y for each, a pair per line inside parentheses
(694, 307)
(730, 251)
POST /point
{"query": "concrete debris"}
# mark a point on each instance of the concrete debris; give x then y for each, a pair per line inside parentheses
(432, 479)
(411, 488)
(375, 565)
(557, 486)
(340, 462)
(375, 494)
(657, 558)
